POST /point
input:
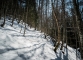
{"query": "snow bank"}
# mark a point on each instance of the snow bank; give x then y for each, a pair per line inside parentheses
(32, 46)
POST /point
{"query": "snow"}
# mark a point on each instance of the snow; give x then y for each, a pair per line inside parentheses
(32, 46)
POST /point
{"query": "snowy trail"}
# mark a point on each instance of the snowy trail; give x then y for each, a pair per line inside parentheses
(32, 46)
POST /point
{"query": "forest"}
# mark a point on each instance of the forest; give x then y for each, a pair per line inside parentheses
(62, 20)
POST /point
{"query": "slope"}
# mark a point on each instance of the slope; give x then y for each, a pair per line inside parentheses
(32, 46)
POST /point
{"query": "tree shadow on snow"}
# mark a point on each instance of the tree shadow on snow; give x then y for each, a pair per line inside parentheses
(10, 30)
(32, 52)
(66, 54)
(59, 57)
(24, 36)
(62, 55)
(11, 48)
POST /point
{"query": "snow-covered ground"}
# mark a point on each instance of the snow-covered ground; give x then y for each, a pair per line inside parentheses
(32, 46)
